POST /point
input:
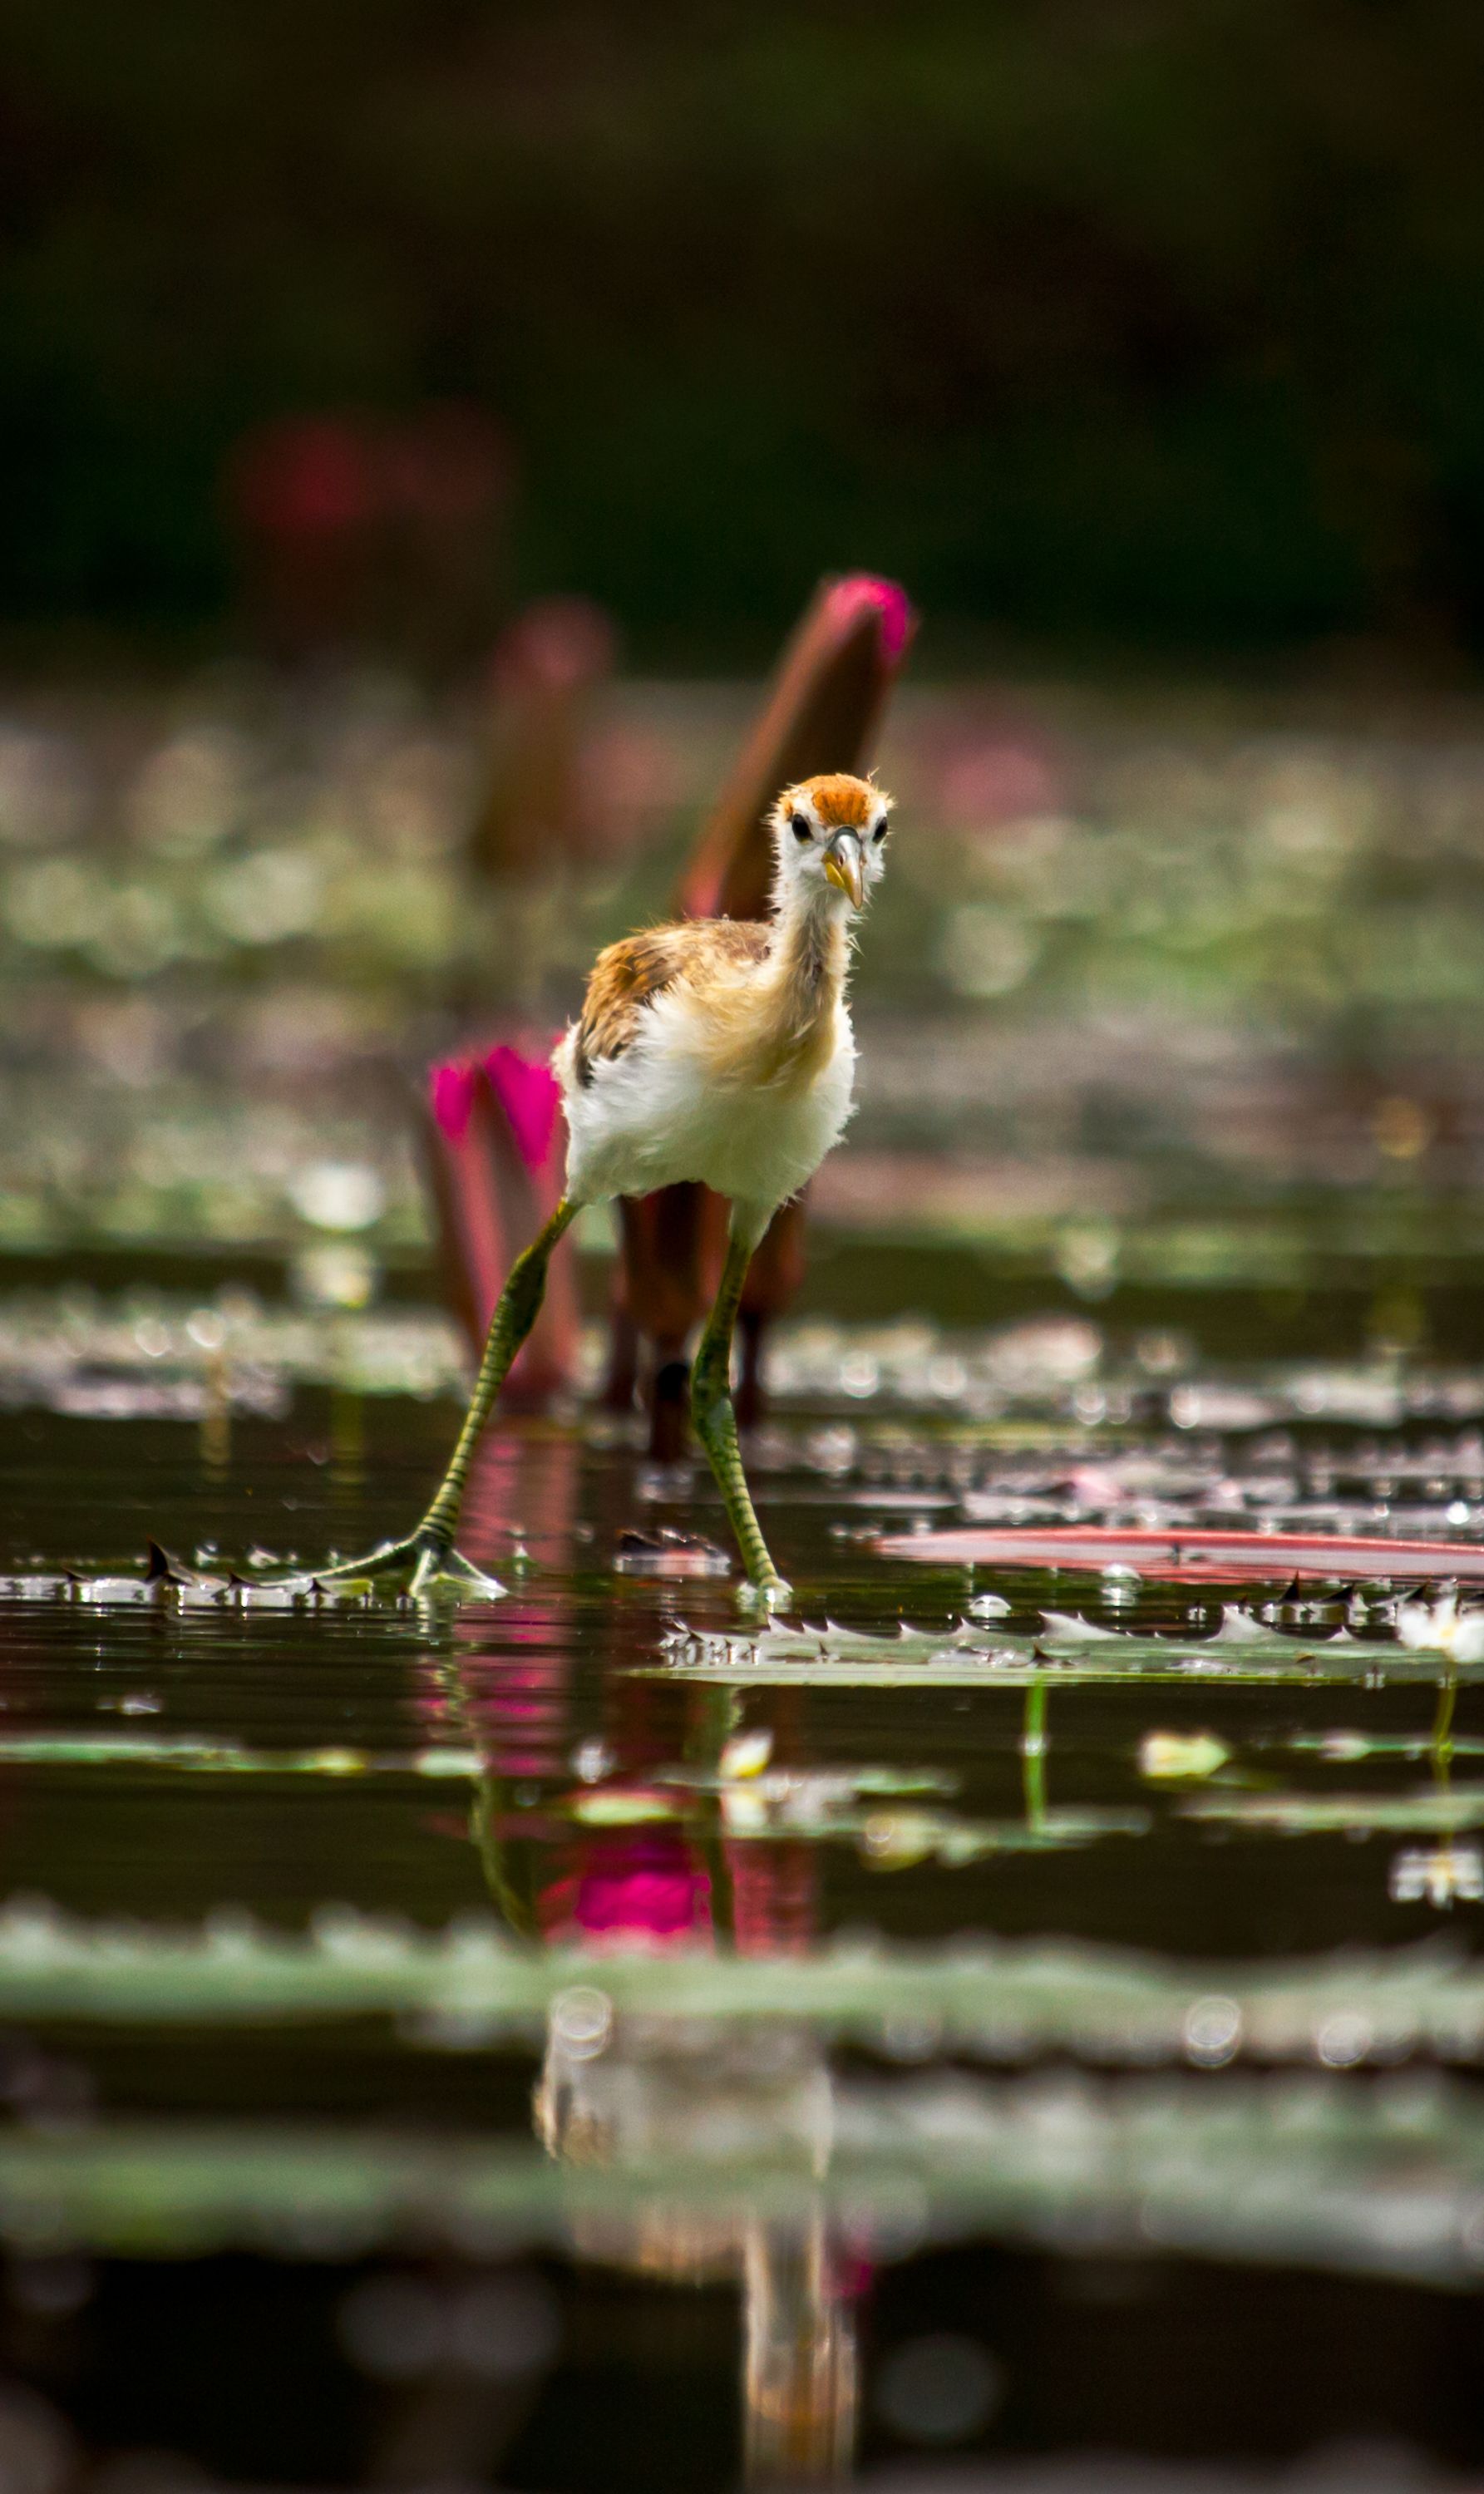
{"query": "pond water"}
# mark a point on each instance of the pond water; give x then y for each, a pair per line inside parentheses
(1007, 2014)
(1000, 2014)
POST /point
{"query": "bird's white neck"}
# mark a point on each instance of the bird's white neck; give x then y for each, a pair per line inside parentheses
(810, 956)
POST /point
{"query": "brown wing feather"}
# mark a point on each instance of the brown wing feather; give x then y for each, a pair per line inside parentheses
(628, 975)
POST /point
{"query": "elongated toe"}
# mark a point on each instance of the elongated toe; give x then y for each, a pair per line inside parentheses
(443, 1576)
(766, 1593)
(418, 1566)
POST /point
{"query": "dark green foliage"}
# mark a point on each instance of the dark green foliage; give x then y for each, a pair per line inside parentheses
(1156, 319)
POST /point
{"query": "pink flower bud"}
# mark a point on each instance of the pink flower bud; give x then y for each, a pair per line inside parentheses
(451, 1096)
(858, 590)
(530, 1097)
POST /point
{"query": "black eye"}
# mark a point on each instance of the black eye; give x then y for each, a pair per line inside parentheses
(880, 831)
(800, 825)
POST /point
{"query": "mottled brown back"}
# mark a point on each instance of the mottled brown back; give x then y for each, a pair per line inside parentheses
(627, 975)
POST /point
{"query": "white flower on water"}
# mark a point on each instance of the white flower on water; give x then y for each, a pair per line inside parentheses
(1442, 1628)
(1178, 1757)
(1437, 1875)
(747, 1753)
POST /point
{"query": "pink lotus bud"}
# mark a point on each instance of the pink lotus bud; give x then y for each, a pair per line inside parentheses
(821, 714)
(848, 598)
(528, 1092)
(451, 1089)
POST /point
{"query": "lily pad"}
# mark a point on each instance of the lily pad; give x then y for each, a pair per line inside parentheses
(972, 1657)
(1188, 1554)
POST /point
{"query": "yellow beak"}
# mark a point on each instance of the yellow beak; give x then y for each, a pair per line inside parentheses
(843, 867)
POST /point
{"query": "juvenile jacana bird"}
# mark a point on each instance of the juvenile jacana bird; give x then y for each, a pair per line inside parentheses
(717, 1050)
(822, 711)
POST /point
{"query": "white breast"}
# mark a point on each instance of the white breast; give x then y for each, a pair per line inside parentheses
(657, 1115)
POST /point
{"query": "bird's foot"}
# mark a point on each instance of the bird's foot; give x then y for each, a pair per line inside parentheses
(421, 1566)
(766, 1593)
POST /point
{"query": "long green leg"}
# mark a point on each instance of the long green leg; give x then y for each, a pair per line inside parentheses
(427, 1558)
(715, 1421)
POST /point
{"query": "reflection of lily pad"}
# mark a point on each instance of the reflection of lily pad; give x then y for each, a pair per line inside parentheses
(987, 1996)
(879, 1810)
(623, 1806)
(183, 1755)
(826, 1783)
(1335, 2175)
(898, 1838)
(1347, 1749)
(1344, 1813)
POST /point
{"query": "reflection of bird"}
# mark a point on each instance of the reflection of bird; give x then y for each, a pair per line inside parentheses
(719, 1051)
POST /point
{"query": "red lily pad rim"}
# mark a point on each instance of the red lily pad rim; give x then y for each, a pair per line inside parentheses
(1185, 1552)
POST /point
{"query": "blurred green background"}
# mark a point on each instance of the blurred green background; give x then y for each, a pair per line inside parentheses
(1144, 343)
(1156, 324)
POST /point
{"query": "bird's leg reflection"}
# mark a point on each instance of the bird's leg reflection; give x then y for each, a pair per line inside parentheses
(1033, 1754)
(800, 2370)
(1441, 1740)
(1441, 1753)
(693, 2105)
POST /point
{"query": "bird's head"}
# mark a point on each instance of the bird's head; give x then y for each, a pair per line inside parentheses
(830, 836)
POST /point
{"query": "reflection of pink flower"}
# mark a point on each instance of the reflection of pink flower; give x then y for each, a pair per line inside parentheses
(308, 477)
(448, 467)
(859, 590)
(1001, 780)
(528, 1092)
(558, 645)
(773, 1897)
(645, 1885)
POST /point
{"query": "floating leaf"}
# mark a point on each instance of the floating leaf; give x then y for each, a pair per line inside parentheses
(970, 1656)
(1188, 1554)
